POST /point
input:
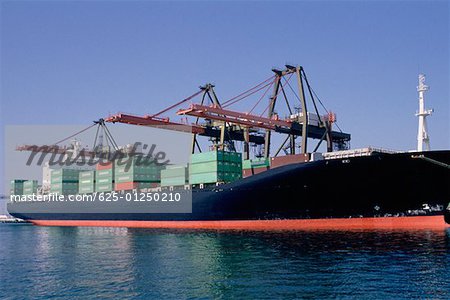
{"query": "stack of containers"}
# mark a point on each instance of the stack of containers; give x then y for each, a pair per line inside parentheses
(104, 177)
(86, 182)
(254, 166)
(16, 187)
(64, 181)
(215, 166)
(133, 173)
(30, 187)
(175, 175)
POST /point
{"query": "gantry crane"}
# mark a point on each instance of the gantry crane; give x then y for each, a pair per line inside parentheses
(240, 126)
(225, 126)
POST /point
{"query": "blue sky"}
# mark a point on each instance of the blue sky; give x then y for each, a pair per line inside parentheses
(73, 62)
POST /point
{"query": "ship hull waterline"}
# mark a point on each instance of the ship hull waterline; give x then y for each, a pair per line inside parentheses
(382, 223)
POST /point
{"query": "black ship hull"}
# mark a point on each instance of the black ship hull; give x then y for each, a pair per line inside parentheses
(377, 187)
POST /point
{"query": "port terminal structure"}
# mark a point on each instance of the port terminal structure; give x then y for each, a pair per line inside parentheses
(289, 91)
(224, 125)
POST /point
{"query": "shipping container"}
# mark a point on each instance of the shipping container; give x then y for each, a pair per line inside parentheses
(132, 171)
(253, 171)
(86, 175)
(255, 163)
(153, 170)
(16, 187)
(64, 175)
(137, 177)
(207, 156)
(104, 165)
(217, 155)
(64, 188)
(104, 187)
(124, 186)
(207, 177)
(84, 189)
(174, 181)
(210, 166)
(174, 171)
(104, 180)
(288, 159)
(104, 173)
(174, 175)
(30, 187)
(215, 166)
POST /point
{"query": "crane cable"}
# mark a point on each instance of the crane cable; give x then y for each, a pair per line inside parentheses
(253, 92)
(71, 136)
(317, 97)
(176, 104)
(256, 104)
(243, 94)
(279, 90)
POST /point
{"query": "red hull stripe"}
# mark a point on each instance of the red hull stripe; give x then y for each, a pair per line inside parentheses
(419, 222)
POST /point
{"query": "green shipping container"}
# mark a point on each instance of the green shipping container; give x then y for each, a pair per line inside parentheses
(236, 157)
(205, 167)
(153, 169)
(30, 184)
(64, 188)
(16, 187)
(104, 180)
(174, 181)
(104, 187)
(104, 173)
(64, 175)
(86, 181)
(174, 171)
(207, 156)
(84, 189)
(30, 187)
(86, 175)
(87, 184)
(205, 178)
(255, 163)
(137, 177)
(175, 175)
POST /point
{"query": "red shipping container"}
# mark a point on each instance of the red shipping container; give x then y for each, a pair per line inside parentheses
(121, 186)
(259, 170)
(131, 185)
(288, 159)
(250, 172)
(104, 165)
(246, 173)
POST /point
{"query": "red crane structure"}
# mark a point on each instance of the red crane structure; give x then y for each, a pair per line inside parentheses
(226, 126)
(230, 125)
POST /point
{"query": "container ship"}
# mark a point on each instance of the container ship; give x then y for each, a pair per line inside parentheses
(339, 188)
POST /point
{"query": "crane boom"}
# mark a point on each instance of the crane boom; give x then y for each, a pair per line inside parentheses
(148, 120)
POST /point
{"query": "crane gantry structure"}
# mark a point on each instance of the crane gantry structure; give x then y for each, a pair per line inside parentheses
(225, 126)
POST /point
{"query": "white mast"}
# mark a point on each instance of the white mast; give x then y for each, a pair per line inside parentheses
(422, 136)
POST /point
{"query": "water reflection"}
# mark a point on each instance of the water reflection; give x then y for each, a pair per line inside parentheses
(40, 262)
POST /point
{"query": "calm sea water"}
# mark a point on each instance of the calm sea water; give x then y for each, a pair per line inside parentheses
(56, 262)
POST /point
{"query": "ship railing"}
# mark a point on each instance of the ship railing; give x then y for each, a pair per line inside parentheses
(357, 152)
